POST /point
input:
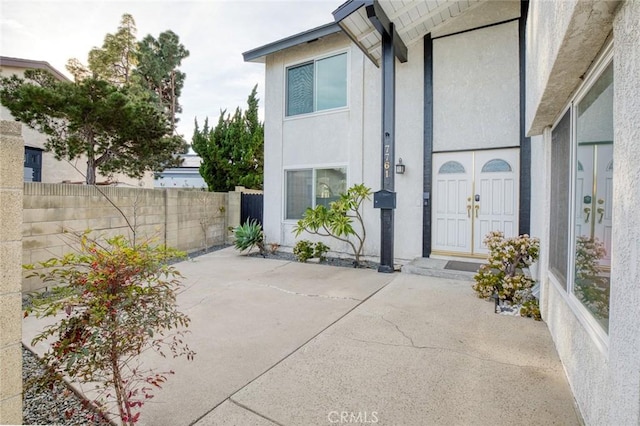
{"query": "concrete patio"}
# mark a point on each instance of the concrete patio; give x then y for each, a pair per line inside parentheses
(301, 344)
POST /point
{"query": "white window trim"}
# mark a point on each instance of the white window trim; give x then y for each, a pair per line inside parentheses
(314, 59)
(313, 168)
(598, 335)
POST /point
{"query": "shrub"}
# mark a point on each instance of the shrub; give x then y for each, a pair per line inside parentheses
(320, 250)
(118, 300)
(507, 257)
(591, 287)
(531, 309)
(303, 250)
(337, 221)
(249, 235)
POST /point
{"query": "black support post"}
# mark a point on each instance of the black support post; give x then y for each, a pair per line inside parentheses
(427, 171)
(388, 147)
(524, 219)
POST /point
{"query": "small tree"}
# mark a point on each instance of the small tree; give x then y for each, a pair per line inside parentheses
(115, 129)
(337, 221)
(118, 301)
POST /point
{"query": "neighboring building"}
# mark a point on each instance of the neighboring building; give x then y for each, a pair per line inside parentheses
(506, 117)
(39, 165)
(185, 176)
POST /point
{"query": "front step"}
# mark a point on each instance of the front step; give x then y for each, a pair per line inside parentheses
(435, 268)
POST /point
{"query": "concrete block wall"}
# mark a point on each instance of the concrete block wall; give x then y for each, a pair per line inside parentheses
(173, 217)
(11, 161)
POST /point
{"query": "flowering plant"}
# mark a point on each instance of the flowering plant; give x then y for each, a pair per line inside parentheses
(591, 287)
(503, 275)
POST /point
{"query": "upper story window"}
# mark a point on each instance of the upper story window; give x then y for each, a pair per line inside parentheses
(318, 85)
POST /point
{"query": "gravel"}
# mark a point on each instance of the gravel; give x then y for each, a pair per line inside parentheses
(56, 406)
(330, 261)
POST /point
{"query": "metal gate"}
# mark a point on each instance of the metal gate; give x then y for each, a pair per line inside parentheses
(251, 207)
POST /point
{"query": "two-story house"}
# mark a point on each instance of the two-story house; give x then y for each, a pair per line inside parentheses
(507, 115)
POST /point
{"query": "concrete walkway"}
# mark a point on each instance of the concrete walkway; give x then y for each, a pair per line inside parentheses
(301, 344)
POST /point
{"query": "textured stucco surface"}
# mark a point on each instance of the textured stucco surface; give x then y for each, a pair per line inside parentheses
(604, 376)
(563, 37)
(476, 89)
(480, 14)
(625, 294)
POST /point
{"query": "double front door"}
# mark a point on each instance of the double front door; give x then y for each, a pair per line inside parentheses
(594, 192)
(474, 192)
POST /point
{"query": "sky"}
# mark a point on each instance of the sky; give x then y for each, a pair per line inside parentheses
(215, 32)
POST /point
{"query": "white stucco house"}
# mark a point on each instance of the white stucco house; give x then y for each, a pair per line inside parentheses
(507, 115)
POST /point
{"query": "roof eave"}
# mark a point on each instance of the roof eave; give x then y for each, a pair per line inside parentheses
(260, 53)
(31, 64)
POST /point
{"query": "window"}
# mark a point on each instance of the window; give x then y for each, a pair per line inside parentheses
(312, 187)
(32, 164)
(581, 225)
(559, 211)
(317, 86)
(593, 198)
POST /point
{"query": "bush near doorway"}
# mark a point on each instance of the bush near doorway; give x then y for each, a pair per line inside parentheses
(503, 276)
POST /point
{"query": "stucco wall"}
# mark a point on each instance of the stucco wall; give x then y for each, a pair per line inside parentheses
(476, 103)
(624, 333)
(173, 217)
(12, 155)
(479, 15)
(604, 375)
(563, 37)
(326, 138)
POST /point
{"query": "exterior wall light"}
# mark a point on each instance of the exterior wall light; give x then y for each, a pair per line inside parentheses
(399, 167)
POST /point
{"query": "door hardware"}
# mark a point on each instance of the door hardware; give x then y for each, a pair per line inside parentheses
(601, 212)
(477, 208)
(469, 211)
(587, 211)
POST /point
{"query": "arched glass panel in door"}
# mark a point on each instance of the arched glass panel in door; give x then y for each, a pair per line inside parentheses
(495, 166)
(451, 167)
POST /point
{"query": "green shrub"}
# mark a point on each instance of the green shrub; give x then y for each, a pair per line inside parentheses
(303, 250)
(337, 221)
(249, 235)
(503, 274)
(320, 250)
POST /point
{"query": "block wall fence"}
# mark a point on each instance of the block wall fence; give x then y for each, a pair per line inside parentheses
(188, 220)
(11, 175)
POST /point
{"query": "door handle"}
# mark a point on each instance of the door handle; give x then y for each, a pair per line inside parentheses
(469, 211)
(477, 208)
(601, 212)
(587, 211)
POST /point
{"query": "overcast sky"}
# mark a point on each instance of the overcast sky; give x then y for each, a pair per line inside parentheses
(215, 32)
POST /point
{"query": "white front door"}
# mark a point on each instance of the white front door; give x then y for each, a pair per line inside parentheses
(594, 191)
(474, 193)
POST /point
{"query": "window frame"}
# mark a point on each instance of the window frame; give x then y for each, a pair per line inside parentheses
(314, 169)
(597, 333)
(314, 60)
